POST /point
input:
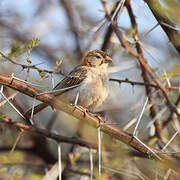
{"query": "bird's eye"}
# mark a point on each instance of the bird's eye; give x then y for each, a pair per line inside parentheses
(97, 56)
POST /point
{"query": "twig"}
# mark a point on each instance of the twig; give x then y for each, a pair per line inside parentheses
(150, 30)
(67, 5)
(27, 82)
(47, 134)
(159, 114)
(144, 64)
(17, 140)
(114, 13)
(134, 82)
(24, 66)
(145, 74)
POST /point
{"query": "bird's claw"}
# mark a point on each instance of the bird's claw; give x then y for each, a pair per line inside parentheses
(85, 111)
(100, 118)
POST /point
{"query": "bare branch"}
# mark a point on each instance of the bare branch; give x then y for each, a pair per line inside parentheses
(43, 132)
(71, 18)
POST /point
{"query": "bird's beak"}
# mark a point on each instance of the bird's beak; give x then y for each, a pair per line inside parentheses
(108, 59)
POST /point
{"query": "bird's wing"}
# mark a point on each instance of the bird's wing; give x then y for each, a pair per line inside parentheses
(71, 81)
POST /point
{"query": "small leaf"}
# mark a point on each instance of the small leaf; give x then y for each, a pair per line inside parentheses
(33, 43)
(58, 64)
(28, 60)
(42, 73)
(16, 50)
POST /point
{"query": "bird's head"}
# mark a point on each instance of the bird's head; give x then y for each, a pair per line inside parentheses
(96, 58)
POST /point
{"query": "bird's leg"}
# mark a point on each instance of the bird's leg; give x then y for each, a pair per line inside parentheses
(76, 99)
(99, 117)
(32, 112)
(79, 107)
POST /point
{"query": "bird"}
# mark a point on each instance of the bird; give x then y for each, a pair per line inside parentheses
(87, 85)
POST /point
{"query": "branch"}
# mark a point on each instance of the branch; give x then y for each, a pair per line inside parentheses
(172, 114)
(133, 83)
(47, 134)
(109, 31)
(67, 5)
(165, 22)
(24, 66)
(139, 56)
(88, 118)
(145, 75)
(144, 64)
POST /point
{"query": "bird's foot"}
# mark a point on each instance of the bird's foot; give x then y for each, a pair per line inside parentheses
(85, 111)
(99, 117)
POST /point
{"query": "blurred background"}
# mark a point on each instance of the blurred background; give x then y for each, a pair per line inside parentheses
(66, 30)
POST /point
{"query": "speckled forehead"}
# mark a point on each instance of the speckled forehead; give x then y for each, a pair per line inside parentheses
(97, 52)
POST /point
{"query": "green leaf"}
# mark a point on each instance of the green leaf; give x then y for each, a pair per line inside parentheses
(58, 64)
(33, 43)
(42, 73)
(18, 49)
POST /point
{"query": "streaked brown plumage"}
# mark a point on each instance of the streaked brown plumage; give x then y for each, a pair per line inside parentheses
(90, 80)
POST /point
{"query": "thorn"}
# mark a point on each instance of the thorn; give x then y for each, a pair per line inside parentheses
(140, 116)
(16, 142)
(11, 104)
(2, 87)
(99, 151)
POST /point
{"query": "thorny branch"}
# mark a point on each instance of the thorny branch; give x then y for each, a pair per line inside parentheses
(116, 133)
(88, 118)
(153, 109)
(133, 83)
(24, 66)
(139, 56)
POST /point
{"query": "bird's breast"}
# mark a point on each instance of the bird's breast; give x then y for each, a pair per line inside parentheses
(94, 90)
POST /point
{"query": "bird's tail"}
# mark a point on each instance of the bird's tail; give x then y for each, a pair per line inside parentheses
(37, 109)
